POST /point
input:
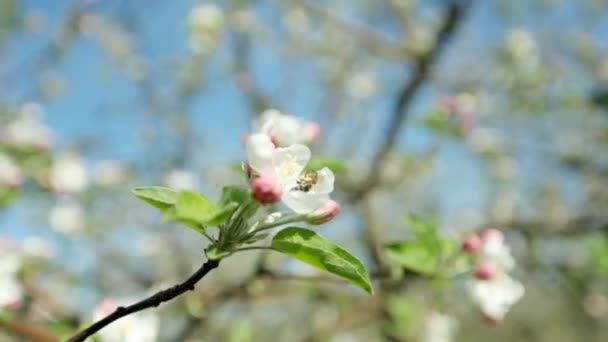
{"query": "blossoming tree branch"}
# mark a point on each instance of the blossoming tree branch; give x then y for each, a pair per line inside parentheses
(276, 169)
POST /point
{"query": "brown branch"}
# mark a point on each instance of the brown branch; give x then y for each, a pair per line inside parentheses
(29, 331)
(420, 73)
(153, 301)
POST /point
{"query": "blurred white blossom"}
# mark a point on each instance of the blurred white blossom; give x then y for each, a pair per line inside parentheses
(495, 297)
(285, 130)
(205, 23)
(492, 290)
(27, 130)
(10, 173)
(438, 327)
(11, 290)
(36, 246)
(67, 218)
(521, 45)
(181, 180)
(68, 174)
(361, 85)
(108, 173)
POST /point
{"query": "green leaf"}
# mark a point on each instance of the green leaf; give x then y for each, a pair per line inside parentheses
(428, 254)
(158, 196)
(193, 209)
(222, 214)
(313, 249)
(234, 193)
(336, 165)
(413, 255)
(426, 232)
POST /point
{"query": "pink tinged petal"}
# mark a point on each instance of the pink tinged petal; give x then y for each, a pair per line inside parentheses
(485, 270)
(107, 306)
(260, 151)
(325, 213)
(492, 234)
(494, 298)
(471, 243)
(289, 162)
(313, 131)
(266, 189)
(325, 182)
(304, 202)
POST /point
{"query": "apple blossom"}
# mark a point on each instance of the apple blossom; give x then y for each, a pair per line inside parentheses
(492, 289)
(471, 243)
(205, 22)
(285, 130)
(438, 327)
(181, 180)
(496, 296)
(68, 174)
(10, 173)
(11, 290)
(485, 270)
(67, 218)
(110, 173)
(325, 213)
(139, 327)
(27, 130)
(266, 189)
(287, 166)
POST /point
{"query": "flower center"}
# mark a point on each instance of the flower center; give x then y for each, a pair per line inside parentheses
(289, 167)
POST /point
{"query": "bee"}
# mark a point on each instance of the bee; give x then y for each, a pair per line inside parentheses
(306, 180)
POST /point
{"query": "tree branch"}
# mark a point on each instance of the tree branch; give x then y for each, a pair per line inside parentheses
(153, 301)
(420, 72)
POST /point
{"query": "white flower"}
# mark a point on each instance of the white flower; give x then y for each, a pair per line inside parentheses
(497, 252)
(139, 327)
(181, 180)
(67, 218)
(205, 22)
(10, 173)
(286, 165)
(496, 296)
(36, 246)
(11, 290)
(285, 130)
(68, 174)
(28, 131)
(439, 328)
(110, 173)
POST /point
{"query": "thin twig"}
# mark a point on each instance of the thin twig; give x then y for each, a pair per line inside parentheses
(153, 301)
(420, 73)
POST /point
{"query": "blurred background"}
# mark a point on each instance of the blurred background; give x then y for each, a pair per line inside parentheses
(472, 113)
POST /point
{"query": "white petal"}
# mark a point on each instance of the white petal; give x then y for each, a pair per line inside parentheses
(496, 297)
(260, 151)
(325, 182)
(290, 161)
(304, 202)
(499, 253)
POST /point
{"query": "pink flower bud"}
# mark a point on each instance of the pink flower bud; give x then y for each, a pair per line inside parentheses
(325, 213)
(313, 131)
(107, 306)
(486, 270)
(471, 243)
(266, 190)
(492, 234)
